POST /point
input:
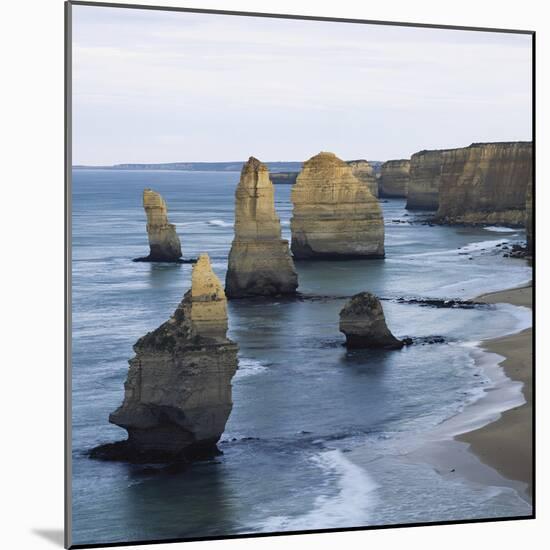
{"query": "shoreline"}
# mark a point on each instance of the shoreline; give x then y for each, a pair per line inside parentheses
(489, 442)
(506, 443)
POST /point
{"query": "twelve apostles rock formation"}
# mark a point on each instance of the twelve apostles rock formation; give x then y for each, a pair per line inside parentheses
(334, 214)
(178, 391)
(362, 321)
(394, 179)
(164, 243)
(260, 263)
(485, 183)
(425, 180)
(364, 172)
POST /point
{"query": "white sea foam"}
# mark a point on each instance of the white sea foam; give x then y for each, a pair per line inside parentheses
(249, 367)
(349, 507)
(219, 223)
(480, 245)
(500, 229)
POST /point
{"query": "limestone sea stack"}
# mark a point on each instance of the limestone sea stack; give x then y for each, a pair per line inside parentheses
(485, 183)
(364, 172)
(425, 180)
(259, 263)
(334, 214)
(394, 178)
(164, 243)
(178, 390)
(362, 321)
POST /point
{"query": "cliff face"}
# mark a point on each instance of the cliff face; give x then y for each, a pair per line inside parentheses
(334, 214)
(178, 390)
(425, 180)
(164, 243)
(394, 179)
(485, 183)
(529, 216)
(364, 172)
(362, 321)
(260, 263)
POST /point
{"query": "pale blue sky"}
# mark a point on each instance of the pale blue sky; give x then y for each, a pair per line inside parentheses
(152, 86)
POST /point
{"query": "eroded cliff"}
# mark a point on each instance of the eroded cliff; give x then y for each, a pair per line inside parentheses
(394, 179)
(485, 183)
(425, 180)
(364, 172)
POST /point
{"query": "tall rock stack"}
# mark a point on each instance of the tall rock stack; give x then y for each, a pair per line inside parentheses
(485, 183)
(394, 179)
(529, 216)
(425, 180)
(260, 263)
(364, 172)
(334, 215)
(178, 390)
(164, 243)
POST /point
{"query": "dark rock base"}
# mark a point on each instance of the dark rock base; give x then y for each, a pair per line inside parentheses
(166, 260)
(124, 451)
(360, 342)
(303, 251)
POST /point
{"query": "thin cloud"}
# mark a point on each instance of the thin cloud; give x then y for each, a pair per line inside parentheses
(165, 86)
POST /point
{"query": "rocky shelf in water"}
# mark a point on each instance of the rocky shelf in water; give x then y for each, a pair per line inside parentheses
(125, 451)
(148, 259)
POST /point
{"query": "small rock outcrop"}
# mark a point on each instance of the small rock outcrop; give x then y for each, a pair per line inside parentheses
(334, 214)
(394, 178)
(485, 183)
(529, 217)
(178, 390)
(364, 172)
(164, 243)
(259, 263)
(363, 323)
(425, 180)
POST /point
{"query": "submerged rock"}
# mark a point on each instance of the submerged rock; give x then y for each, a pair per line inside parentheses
(334, 214)
(164, 243)
(485, 183)
(364, 172)
(362, 321)
(178, 390)
(394, 179)
(259, 263)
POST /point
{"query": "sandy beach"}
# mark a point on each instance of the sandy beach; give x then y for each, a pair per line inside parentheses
(506, 444)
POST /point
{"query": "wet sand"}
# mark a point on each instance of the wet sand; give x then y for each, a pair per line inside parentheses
(506, 444)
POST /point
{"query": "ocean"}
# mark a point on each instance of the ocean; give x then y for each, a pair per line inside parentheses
(303, 404)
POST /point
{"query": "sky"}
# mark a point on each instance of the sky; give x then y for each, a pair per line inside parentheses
(155, 86)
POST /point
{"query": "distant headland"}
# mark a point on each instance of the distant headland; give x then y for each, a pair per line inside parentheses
(292, 167)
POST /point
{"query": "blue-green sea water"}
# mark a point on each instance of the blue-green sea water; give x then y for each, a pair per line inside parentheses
(301, 401)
